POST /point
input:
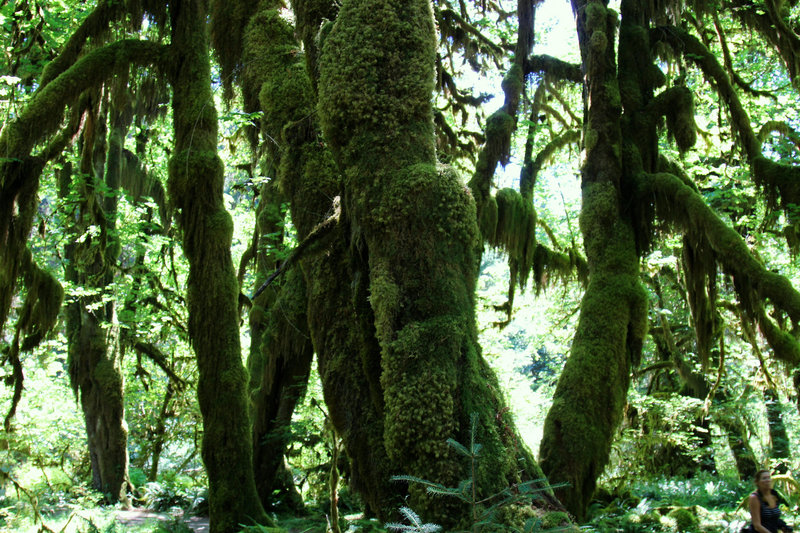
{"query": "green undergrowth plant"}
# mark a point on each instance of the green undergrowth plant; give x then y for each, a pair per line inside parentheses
(485, 511)
(706, 502)
(415, 523)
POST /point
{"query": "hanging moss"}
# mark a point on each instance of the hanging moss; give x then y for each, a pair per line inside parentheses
(228, 20)
(489, 217)
(683, 207)
(679, 110)
(42, 304)
(515, 231)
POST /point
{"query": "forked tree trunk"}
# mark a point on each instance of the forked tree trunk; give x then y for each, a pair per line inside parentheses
(591, 392)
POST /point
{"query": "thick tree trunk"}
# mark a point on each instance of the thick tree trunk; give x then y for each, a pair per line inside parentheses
(196, 185)
(414, 226)
(338, 313)
(94, 356)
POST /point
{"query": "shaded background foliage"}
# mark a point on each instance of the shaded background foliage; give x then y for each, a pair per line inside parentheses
(713, 395)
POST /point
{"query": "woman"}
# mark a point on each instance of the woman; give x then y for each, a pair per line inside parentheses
(765, 515)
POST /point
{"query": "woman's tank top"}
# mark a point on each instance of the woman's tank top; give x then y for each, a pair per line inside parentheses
(770, 516)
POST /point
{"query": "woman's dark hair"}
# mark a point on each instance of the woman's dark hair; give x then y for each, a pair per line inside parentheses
(758, 475)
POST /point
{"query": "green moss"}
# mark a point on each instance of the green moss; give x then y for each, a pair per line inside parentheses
(40, 309)
(514, 80)
(595, 14)
(685, 519)
(590, 139)
(591, 392)
(555, 519)
(598, 41)
(680, 119)
(489, 216)
(365, 84)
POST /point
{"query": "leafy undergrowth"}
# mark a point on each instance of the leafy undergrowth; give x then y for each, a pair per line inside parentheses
(704, 503)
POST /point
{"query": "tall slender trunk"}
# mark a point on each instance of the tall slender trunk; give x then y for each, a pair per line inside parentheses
(196, 184)
(777, 432)
(95, 358)
(591, 392)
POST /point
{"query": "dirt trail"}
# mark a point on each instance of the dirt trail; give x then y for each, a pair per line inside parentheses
(138, 517)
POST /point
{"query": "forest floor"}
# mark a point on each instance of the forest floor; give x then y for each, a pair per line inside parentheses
(139, 517)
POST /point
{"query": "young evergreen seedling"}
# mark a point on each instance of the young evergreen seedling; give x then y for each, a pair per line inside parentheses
(483, 510)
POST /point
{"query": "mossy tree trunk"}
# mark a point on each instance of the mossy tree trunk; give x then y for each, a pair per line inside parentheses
(196, 187)
(280, 352)
(95, 358)
(287, 354)
(339, 318)
(591, 392)
(415, 231)
(777, 431)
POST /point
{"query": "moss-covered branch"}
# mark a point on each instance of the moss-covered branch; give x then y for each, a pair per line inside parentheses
(44, 111)
(755, 284)
(552, 66)
(96, 23)
(780, 127)
(455, 26)
(781, 182)
(677, 104)
(152, 352)
(545, 155)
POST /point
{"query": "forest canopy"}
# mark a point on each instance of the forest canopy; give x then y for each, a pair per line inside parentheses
(318, 256)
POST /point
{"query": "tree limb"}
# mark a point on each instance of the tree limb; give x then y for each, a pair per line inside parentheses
(323, 229)
(552, 66)
(152, 352)
(778, 180)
